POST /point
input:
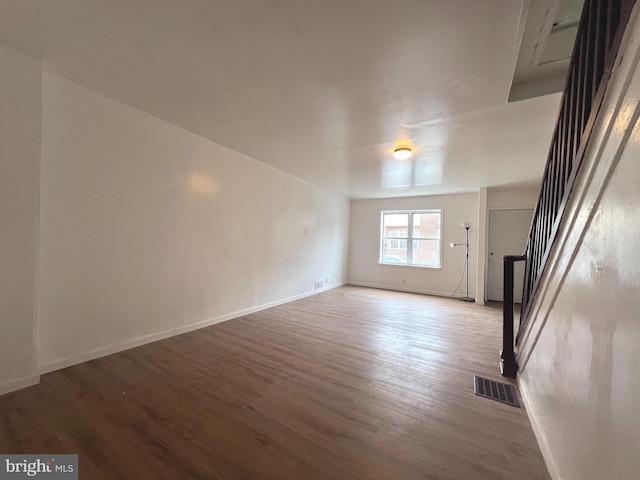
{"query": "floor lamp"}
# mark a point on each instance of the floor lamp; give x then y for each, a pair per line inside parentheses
(466, 226)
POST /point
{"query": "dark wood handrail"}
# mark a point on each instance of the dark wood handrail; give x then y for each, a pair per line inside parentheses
(597, 42)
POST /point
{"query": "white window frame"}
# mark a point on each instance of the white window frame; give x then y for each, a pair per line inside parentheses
(410, 239)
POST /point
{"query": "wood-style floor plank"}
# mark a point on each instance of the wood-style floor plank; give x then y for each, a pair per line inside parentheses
(353, 383)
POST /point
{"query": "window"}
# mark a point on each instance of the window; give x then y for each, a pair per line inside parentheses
(411, 237)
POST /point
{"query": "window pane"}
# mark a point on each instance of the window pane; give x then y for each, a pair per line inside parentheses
(427, 253)
(396, 232)
(394, 255)
(426, 225)
(421, 242)
(396, 225)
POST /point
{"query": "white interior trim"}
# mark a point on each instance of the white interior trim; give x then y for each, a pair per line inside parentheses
(154, 337)
(396, 288)
(537, 431)
(18, 383)
(483, 246)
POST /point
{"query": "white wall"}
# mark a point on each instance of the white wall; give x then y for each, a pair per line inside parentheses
(149, 230)
(20, 88)
(364, 245)
(507, 199)
(580, 353)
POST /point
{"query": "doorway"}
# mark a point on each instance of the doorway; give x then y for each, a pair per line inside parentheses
(508, 232)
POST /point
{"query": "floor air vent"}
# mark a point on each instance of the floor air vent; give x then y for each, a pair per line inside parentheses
(502, 392)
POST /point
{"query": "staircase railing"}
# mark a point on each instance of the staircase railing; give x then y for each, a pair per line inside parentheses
(599, 36)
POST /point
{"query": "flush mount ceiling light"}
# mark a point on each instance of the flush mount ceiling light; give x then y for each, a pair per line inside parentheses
(402, 153)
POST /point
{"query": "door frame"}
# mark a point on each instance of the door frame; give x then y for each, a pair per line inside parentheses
(486, 253)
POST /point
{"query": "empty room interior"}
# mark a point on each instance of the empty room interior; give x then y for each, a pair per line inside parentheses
(279, 239)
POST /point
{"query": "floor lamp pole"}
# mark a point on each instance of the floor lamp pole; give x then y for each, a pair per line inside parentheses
(467, 296)
(466, 226)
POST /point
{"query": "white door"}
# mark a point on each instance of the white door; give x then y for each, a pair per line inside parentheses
(508, 232)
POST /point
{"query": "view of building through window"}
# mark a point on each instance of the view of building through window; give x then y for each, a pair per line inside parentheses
(411, 237)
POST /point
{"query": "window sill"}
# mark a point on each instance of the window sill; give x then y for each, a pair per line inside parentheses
(409, 265)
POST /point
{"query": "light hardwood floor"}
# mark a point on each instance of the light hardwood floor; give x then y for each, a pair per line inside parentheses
(350, 383)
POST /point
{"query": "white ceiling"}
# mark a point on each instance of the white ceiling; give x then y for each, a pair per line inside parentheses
(320, 89)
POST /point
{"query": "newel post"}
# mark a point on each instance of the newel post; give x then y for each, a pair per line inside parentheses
(508, 364)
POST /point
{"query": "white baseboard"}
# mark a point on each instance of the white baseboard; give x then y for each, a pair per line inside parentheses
(18, 383)
(404, 289)
(537, 431)
(154, 337)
